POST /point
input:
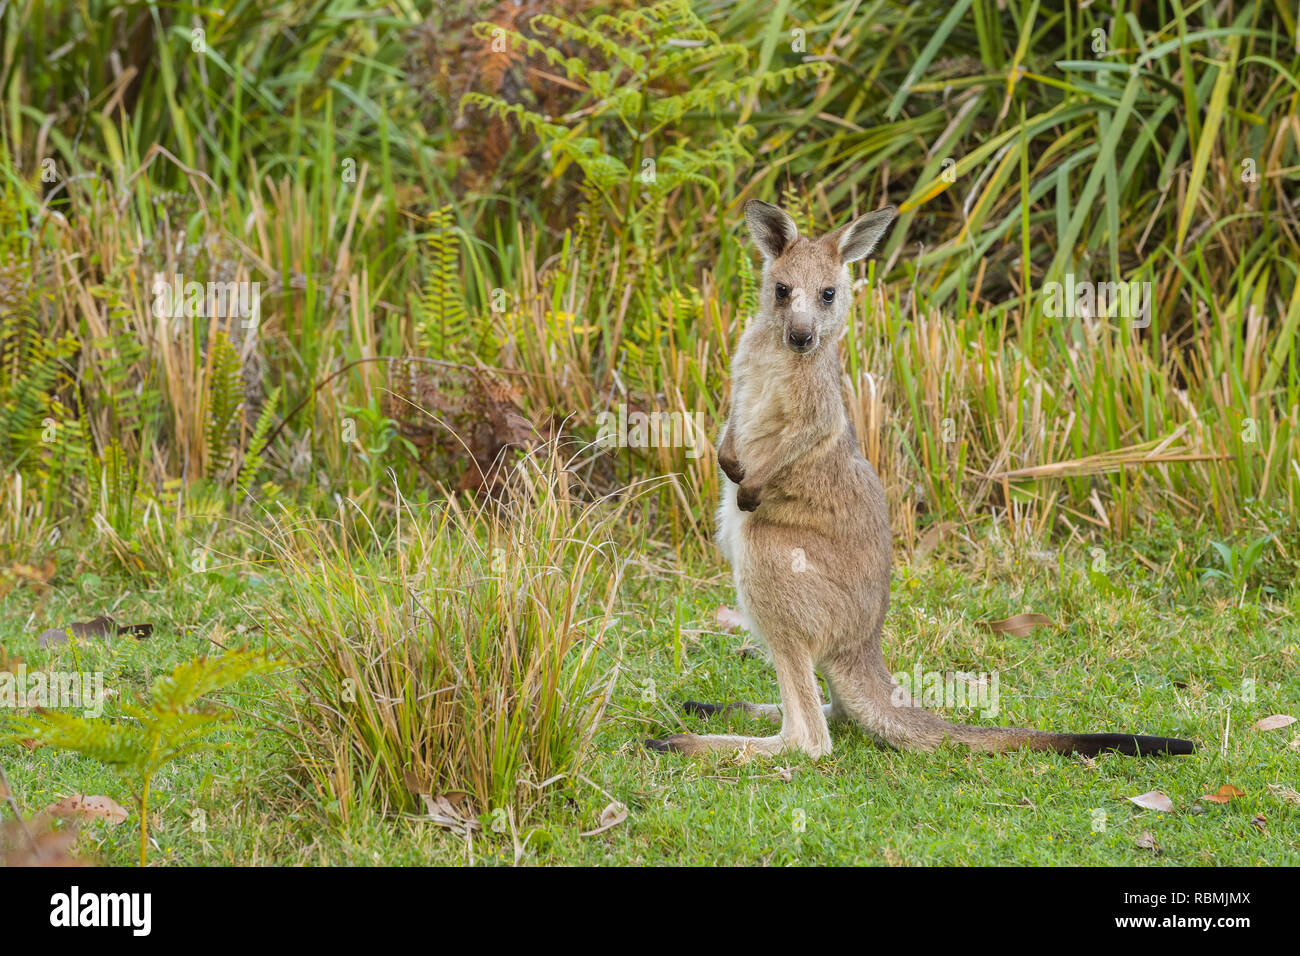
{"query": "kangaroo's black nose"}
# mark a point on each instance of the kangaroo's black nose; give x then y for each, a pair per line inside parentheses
(800, 341)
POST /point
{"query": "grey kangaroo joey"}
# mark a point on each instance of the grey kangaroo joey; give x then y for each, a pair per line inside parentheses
(804, 524)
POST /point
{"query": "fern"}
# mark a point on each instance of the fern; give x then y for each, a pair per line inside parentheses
(748, 303)
(444, 325)
(38, 437)
(146, 739)
(225, 402)
(253, 460)
(643, 49)
(798, 202)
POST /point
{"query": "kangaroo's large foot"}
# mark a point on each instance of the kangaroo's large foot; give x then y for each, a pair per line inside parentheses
(693, 744)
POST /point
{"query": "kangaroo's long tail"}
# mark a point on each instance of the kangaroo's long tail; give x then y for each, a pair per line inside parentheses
(888, 713)
(1089, 745)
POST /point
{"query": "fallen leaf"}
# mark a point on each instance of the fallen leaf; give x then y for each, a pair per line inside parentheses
(1018, 626)
(35, 843)
(445, 813)
(613, 814)
(1259, 822)
(1147, 841)
(1285, 793)
(1154, 800)
(1274, 722)
(729, 619)
(99, 628)
(52, 637)
(79, 805)
(1224, 794)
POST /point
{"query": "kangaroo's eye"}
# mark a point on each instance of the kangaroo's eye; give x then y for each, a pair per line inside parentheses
(828, 295)
(782, 292)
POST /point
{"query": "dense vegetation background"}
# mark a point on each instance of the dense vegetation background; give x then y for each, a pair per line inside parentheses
(472, 228)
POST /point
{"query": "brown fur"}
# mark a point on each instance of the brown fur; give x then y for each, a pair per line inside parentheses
(804, 524)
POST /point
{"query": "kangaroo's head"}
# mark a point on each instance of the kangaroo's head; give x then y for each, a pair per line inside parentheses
(806, 286)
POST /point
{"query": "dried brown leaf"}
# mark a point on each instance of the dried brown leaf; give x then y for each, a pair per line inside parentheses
(94, 807)
(450, 811)
(1147, 841)
(1019, 625)
(1154, 800)
(1224, 794)
(1274, 722)
(36, 843)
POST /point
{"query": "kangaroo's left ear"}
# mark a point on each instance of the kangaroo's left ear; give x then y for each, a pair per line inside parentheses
(857, 240)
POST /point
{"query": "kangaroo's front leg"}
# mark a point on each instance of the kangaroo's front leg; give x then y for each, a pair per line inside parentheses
(801, 441)
(803, 722)
(758, 474)
(727, 460)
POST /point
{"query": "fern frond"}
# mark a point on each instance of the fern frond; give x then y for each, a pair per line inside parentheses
(253, 459)
(196, 678)
(443, 323)
(225, 402)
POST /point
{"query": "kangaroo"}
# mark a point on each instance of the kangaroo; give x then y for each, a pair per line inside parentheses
(804, 524)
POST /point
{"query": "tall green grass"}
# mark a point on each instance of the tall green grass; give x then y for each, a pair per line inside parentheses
(305, 148)
(457, 653)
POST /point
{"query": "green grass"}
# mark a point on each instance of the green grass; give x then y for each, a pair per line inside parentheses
(1129, 656)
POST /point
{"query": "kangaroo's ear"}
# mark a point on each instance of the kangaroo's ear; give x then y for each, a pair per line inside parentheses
(772, 228)
(856, 240)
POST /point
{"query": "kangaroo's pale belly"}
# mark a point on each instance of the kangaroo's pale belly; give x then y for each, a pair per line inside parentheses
(731, 525)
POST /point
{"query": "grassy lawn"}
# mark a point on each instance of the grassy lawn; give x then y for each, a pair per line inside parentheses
(1126, 655)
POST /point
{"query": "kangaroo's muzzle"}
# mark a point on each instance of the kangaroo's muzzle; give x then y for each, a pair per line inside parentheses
(800, 340)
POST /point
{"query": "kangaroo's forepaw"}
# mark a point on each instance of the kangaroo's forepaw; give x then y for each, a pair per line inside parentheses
(747, 497)
(732, 468)
(677, 743)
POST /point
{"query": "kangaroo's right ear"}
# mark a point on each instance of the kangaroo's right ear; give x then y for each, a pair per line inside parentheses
(772, 228)
(858, 239)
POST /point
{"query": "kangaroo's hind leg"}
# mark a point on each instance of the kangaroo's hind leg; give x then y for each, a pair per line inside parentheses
(803, 720)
